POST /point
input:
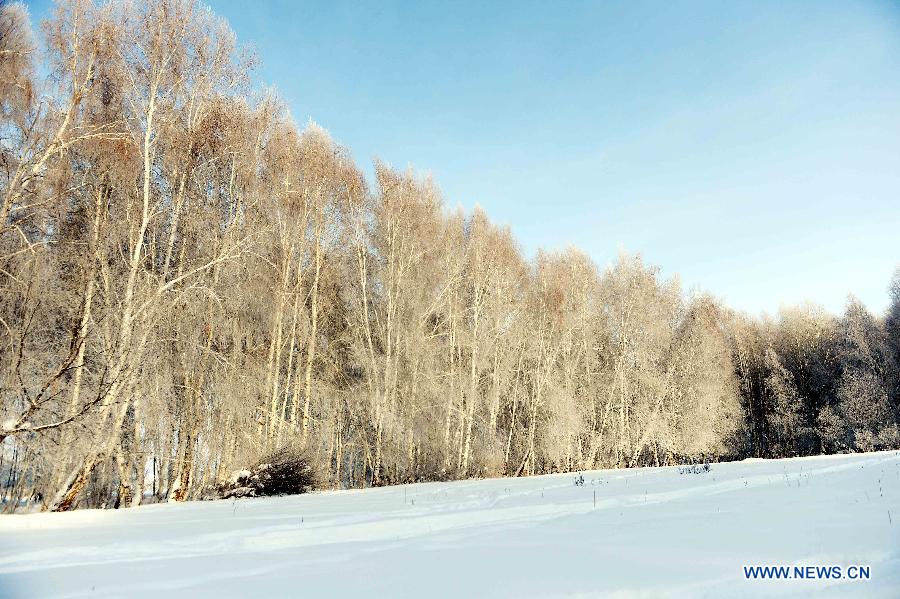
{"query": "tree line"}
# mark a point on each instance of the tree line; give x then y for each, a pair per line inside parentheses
(189, 280)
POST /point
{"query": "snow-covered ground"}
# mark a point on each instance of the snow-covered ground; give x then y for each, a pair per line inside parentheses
(652, 533)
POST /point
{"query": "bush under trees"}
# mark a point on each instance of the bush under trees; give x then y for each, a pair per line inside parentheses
(286, 471)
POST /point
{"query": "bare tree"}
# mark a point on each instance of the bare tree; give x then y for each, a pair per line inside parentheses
(189, 282)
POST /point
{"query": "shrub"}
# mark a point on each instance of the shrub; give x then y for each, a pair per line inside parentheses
(286, 471)
(888, 437)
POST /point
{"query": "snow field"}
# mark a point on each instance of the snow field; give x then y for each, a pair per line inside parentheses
(650, 532)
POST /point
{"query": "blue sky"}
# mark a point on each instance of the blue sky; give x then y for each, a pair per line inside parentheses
(751, 147)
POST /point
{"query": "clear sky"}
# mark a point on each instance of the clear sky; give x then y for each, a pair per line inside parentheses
(751, 147)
